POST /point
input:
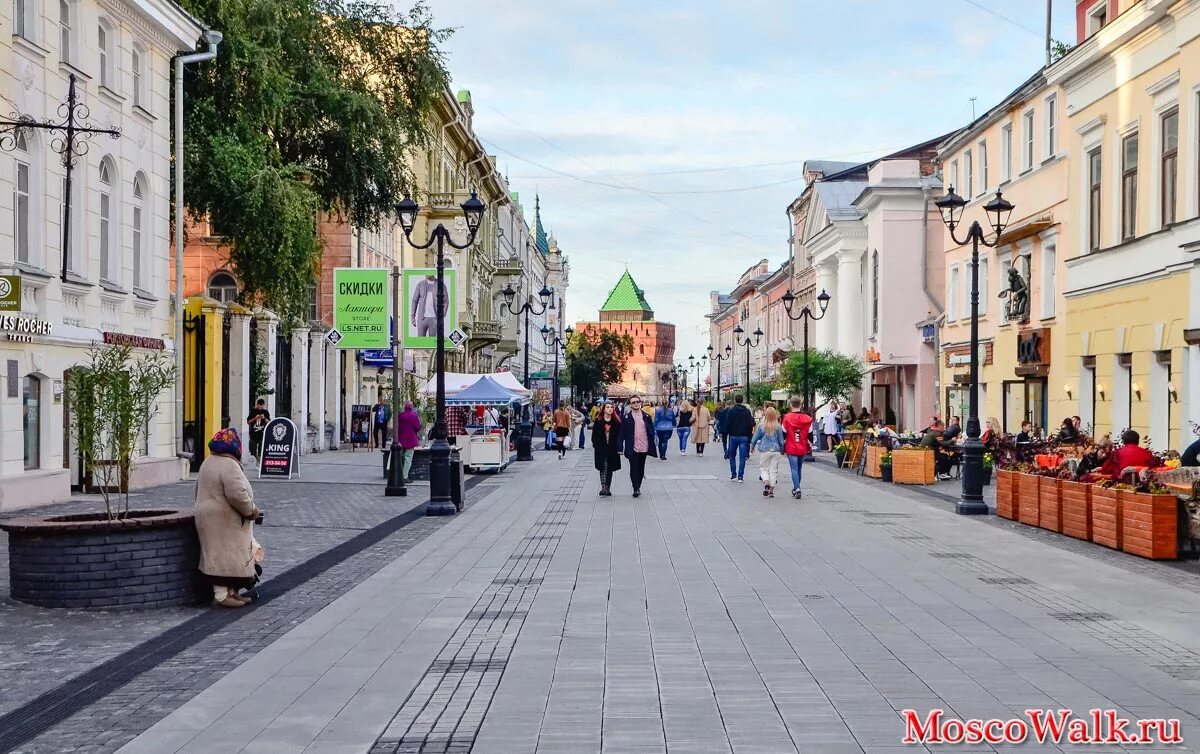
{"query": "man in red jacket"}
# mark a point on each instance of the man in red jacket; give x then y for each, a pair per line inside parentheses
(796, 428)
(1131, 453)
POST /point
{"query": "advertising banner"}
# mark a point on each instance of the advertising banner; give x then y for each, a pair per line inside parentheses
(360, 308)
(279, 449)
(420, 311)
(10, 293)
(360, 424)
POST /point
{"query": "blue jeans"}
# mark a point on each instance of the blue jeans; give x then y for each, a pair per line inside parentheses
(664, 439)
(739, 451)
(797, 464)
(683, 438)
(582, 435)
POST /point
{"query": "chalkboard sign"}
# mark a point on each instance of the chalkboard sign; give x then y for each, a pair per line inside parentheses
(279, 450)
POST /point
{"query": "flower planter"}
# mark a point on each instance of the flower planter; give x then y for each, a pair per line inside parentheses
(1076, 509)
(1149, 525)
(874, 453)
(150, 559)
(987, 476)
(885, 473)
(1049, 504)
(1106, 517)
(1007, 504)
(1026, 491)
(911, 466)
(841, 460)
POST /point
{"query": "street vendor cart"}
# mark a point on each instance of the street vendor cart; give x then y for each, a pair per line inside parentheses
(486, 446)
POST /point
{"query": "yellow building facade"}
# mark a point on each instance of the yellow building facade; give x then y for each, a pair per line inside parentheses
(1132, 290)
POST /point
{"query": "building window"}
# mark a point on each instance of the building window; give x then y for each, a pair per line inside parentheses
(969, 178)
(1094, 165)
(32, 422)
(1006, 145)
(137, 69)
(222, 287)
(983, 167)
(952, 296)
(1097, 17)
(21, 201)
(1051, 125)
(107, 223)
(954, 175)
(23, 20)
(1027, 142)
(314, 301)
(966, 291)
(1049, 279)
(983, 285)
(139, 212)
(875, 291)
(1129, 166)
(1170, 161)
(66, 35)
(105, 39)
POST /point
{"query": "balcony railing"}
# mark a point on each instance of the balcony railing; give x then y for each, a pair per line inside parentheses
(509, 266)
(486, 330)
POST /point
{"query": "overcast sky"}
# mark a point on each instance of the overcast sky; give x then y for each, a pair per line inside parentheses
(645, 125)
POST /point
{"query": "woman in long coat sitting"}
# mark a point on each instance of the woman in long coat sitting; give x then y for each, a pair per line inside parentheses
(606, 445)
(225, 514)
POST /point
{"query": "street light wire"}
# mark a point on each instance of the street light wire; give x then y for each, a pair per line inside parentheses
(1003, 17)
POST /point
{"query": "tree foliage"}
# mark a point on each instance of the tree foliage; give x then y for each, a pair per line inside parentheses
(310, 105)
(831, 375)
(596, 358)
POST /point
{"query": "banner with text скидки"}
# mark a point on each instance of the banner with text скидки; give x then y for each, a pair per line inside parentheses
(360, 309)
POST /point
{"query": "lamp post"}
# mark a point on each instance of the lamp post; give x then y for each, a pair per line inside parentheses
(525, 428)
(440, 502)
(806, 314)
(998, 210)
(718, 358)
(697, 367)
(554, 341)
(748, 343)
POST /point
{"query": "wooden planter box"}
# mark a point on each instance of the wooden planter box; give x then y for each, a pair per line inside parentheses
(874, 453)
(1106, 517)
(1049, 504)
(1149, 525)
(1007, 504)
(1076, 509)
(912, 467)
(1026, 491)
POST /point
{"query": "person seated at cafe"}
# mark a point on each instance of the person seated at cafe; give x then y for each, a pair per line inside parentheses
(953, 431)
(1131, 453)
(1026, 433)
(1068, 432)
(934, 440)
(1189, 456)
(992, 433)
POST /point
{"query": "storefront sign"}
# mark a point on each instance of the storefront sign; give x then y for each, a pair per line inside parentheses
(279, 451)
(134, 341)
(22, 329)
(360, 308)
(10, 293)
(928, 333)
(1033, 352)
(963, 358)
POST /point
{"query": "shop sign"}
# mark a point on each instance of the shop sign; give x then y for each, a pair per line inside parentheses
(22, 329)
(279, 451)
(964, 359)
(360, 308)
(134, 341)
(1033, 352)
(10, 293)
(928, 333)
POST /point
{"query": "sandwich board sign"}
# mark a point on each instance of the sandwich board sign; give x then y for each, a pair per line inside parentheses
(279, 457)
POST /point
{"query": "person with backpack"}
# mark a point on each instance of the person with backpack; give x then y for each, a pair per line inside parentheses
(769, 441)
(796, 427)
(664, 427)
(381, 414)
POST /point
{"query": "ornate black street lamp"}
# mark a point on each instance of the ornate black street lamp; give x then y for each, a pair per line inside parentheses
(440, 502)
(554, 341)
(806, 314)
(697, 367)
(998, 210)
(748, 343)
(525, 429)
(718, 358)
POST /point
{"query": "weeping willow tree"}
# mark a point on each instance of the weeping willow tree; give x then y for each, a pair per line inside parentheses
(310, 106)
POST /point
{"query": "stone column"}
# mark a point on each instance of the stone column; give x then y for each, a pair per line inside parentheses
(849, 303)
(268, 332)
(300, 385)
(333, 394)
(316, 386)
(238, 368)
(824, 330)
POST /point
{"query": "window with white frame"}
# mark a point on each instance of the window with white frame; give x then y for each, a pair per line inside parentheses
(1049, 278)
(983, 167)
(952, 294)
(107, 221)
(1005, 266)
(24, 19)
(983, 286)
(1097, 17)
(1006, 147)
(22, 206)
(954, 183)
(1170, 162)
(105, 38)
(140, 264)
(1027, 141)
(66, 32)
(1051, 116)
(1129, 171)
(969, 177)
(137, 71)
(1094, 164)
(965, 298)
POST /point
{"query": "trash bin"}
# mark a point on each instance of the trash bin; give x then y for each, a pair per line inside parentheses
(524, 441)
(457, 485)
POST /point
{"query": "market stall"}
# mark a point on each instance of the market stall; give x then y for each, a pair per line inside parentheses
(486, 446)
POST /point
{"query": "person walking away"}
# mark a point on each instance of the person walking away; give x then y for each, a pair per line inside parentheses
(701, 428)
(225, 514)
(637, 440)
(796, 428)
(579, 418)
(606, 446)
(664, 427)
(381, 414)
(258, 420)
(408, 434)
(722, 415)
(769, 441)
(683, 425)
(829, 426)
(739, 426)
(562, 430)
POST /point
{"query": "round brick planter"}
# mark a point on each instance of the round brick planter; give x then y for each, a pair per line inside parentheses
(150, 559)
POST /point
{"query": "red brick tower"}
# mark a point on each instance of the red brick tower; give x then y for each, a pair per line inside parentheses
(626, 312)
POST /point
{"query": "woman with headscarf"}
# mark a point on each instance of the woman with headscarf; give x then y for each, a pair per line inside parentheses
(408, 434)
(225, 515)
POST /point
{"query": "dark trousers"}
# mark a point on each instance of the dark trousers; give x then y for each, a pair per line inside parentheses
(380, 435)
(725, 445)
(664, 439)
(637, 470)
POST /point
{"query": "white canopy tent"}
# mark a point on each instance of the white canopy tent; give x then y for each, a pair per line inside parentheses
(456, 383)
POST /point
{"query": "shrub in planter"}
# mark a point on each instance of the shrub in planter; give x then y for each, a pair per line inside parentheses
(1106, 515)
(1007, 503)
(989, 461)
(839, 451)
(1149, 521)
(1076, 500)
(885, 466)
(1027, 491)
(1049, 503)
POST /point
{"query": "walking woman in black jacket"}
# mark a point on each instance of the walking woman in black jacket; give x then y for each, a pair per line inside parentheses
(606, 445)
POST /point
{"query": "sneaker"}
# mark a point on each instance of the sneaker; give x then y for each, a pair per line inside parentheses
(772, 494)
(637, 493)
(741, 480)
(766, 491)
(229, 601)
(732, 477)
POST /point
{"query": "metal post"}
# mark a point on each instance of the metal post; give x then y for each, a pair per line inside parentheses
(972, 502)
(440, 502)
(395, 485)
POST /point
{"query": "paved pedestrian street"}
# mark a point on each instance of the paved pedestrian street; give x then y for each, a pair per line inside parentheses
(701, 617)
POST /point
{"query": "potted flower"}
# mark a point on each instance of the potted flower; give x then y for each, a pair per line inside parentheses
(988, 462)
(839, 451)
(885, 467)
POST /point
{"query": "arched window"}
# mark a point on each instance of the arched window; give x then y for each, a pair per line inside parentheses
(137, 70)
(223, 287)
(109, 223)
(106, 39)
(32, 422)
(140, 263)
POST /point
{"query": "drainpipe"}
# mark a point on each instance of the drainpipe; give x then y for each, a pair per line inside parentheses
(935, 304)
(213, 38)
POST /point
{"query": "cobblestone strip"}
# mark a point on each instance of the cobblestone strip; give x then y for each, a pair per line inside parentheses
(445, 711)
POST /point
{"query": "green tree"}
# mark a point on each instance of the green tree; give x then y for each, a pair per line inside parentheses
(831, 375)
(311, 105)
(596, 358)
(760, 392)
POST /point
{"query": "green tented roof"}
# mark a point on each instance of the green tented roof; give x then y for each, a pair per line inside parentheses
(626, 297)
